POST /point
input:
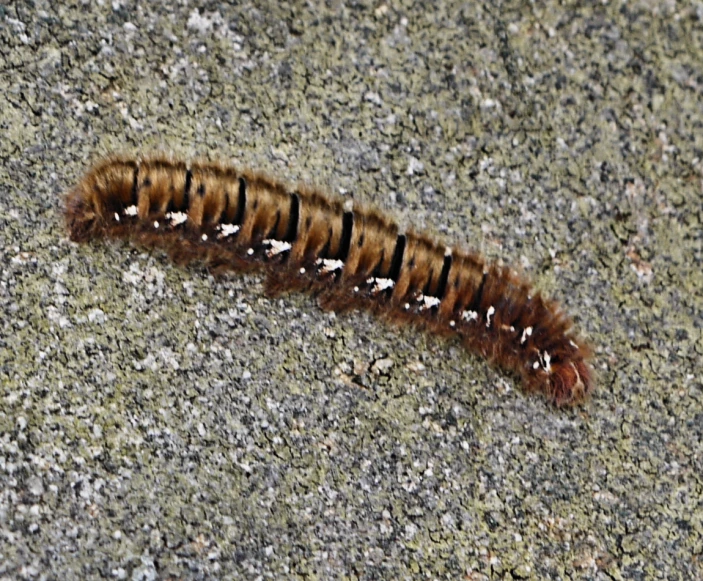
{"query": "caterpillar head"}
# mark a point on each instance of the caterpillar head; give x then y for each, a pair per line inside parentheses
(102, 194)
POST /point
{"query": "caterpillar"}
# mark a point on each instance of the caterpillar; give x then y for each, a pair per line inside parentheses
(347, 255)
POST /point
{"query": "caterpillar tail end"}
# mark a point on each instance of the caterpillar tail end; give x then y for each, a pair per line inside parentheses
(569, 383)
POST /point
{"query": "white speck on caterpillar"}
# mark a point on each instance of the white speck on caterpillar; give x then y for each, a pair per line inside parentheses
(489, 313)
(156, 223)
(380, 284)
(277, 247)
(227, 230)
(176, 218)
(131, 211)
(329, 266)
(204, 237)
(429, 302)
(525, 334)
(250, 251)
(469, 316)
(117, 216)
(302, 270)
(546, 358)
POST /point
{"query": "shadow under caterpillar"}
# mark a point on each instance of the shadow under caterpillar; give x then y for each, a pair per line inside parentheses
(348, 257)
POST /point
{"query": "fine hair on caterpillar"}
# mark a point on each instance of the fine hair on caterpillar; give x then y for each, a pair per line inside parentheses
(349, 257)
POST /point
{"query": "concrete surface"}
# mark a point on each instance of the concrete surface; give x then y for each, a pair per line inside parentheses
(157, 423)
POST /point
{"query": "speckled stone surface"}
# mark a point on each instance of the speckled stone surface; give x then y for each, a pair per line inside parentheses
(156, 423)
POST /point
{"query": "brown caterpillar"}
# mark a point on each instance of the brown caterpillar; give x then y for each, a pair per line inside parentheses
(303, 240)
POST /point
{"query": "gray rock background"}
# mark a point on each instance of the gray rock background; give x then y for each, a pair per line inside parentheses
(158, 423)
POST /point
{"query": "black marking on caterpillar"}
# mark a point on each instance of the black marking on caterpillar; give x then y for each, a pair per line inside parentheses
(236, 220)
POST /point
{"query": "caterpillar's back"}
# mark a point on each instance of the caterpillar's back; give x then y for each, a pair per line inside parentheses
(349, 257)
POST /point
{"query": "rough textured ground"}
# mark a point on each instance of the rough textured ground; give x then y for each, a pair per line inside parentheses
(157, 423)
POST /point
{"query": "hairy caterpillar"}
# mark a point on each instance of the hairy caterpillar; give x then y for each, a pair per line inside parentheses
(348, 257)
